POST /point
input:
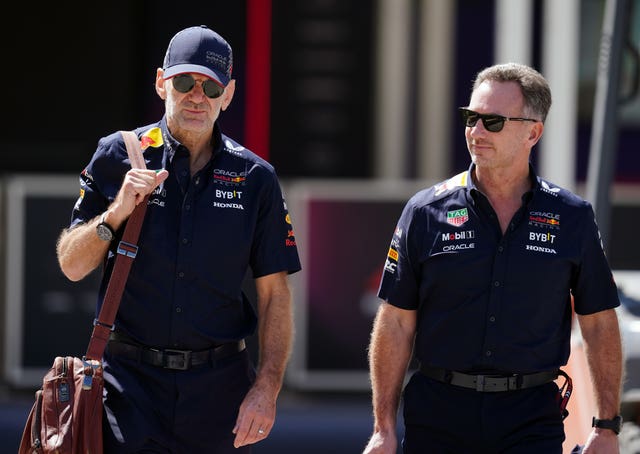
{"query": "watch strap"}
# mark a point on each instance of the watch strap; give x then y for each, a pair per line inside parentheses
(614, 424)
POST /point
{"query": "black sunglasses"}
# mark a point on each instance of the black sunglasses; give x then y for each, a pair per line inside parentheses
(184, 83)
(491, 122)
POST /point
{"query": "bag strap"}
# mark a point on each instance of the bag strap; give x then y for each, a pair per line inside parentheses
(126, 252)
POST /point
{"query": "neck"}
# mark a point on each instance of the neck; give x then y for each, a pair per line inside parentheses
(200, 148)
(198, 160)
(501, 185)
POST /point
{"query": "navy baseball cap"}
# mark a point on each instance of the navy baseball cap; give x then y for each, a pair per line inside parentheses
(199, 50)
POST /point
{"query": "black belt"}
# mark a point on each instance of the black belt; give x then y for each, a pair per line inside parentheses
(489, 383)
(173, 359)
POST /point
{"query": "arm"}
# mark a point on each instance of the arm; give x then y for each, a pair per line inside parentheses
(275, 333)
(603, 348)
(389, 356)
(79, 249)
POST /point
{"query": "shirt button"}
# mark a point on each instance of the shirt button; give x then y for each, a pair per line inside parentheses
(187, 207)
(487, 353)
(500, 248)
(492, 319)
(181, 274)
(185, 240)
(496, 284)
(183, 173)
(178, 309)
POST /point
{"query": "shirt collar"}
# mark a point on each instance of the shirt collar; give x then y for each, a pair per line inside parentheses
(473, 192)
(172, 145)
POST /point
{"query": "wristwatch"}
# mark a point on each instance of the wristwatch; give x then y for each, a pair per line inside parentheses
(105, 231)
(614, 424)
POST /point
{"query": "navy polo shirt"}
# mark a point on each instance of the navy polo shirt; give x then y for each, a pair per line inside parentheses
(200, 236)
(489, 302)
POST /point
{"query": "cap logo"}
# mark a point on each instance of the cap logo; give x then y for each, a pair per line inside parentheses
(217, 59)
(199, 50)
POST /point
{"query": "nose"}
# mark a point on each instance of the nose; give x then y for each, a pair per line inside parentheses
(477, 129)
(198, 88)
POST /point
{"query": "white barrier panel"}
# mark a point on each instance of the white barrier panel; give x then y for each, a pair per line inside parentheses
(46, 314)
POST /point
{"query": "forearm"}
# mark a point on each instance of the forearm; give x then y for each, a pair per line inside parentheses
(390, 352)
(80, 251)
(603, 351)
(275, 334)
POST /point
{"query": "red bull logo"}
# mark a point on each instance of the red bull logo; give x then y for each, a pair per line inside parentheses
(151, 138)
(541, 218)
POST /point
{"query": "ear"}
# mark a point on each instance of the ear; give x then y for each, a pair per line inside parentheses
(162, 92)
(227, 96)
(535, 133)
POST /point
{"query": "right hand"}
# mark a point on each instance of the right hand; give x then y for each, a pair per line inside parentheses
(136, 185)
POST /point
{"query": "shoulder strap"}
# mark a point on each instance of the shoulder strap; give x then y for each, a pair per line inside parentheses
(126, 252)
(133, 149)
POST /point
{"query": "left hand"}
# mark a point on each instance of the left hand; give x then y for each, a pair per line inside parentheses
(256, 417)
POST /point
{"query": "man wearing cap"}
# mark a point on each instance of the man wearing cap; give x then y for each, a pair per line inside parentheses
(178, 377)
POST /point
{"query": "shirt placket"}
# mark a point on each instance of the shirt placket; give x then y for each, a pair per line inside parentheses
(183, 252)
(496, 285)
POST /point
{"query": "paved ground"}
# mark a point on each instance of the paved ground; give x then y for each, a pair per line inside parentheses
(307, 423)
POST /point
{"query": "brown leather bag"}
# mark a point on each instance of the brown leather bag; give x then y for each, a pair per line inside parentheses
(66, 417)
(67, 414)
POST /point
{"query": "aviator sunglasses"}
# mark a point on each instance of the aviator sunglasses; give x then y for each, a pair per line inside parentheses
(184, 83)
(491, 122)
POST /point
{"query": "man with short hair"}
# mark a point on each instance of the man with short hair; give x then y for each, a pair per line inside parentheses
(479, 283)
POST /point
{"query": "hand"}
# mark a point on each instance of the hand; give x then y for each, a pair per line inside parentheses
(381, 443)
(136, 185)
(601, 441)
(255, 419)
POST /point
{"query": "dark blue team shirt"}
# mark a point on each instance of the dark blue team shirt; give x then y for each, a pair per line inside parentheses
(200, 236)
(490, 302)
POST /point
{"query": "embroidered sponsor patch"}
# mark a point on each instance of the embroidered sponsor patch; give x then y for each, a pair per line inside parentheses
(229, 177)
(544, 219)
(546, 250)
(461, 235)
(457, 217)
(151, 138)
(390, 267)
(458, 247)
(453, 182)
(236, 206)
(548, 189)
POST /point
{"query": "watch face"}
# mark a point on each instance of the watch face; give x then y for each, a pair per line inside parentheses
(104, 233)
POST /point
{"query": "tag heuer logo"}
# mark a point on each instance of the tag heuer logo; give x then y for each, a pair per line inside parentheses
(457, 217)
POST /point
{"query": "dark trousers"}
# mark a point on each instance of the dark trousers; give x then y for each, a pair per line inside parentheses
(445, 419)
(149, 409)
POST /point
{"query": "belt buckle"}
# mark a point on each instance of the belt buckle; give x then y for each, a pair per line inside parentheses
(176, 359)
(515, 382)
